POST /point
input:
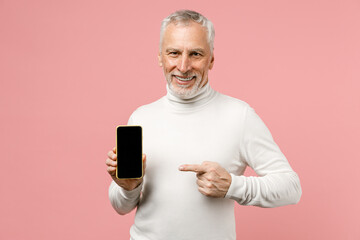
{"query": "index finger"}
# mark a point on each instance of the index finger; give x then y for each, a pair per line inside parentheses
(192, 168)
(114, 149)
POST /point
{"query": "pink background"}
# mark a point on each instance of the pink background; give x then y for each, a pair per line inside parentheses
(71, 71)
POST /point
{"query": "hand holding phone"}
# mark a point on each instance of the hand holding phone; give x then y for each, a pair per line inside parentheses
(127, 184)
(126, 163)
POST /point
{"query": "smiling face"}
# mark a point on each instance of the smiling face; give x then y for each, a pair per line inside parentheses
(186, 58)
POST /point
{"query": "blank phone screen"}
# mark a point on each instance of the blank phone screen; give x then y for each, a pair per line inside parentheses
(129, 151)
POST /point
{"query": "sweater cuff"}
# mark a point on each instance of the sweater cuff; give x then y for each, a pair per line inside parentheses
(132, 194)
(237, 187)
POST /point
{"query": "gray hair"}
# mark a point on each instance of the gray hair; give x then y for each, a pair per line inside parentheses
(184, 16)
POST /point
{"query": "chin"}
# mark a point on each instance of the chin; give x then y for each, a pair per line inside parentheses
(187, 91)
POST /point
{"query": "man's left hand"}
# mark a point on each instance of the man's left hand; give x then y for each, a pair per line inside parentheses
(212, 179)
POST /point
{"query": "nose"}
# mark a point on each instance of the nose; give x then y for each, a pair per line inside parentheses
(184, 64)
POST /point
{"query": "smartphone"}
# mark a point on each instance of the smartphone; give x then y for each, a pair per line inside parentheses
(129, 152)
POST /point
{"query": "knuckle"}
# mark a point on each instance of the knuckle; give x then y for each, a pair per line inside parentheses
(210, 178)
(108, 162)
(212, 169)
(111, 163)
(207, 192)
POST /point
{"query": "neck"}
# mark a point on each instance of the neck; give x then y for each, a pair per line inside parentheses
(198, 100)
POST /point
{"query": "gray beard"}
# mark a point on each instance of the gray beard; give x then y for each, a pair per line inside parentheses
(184, 92)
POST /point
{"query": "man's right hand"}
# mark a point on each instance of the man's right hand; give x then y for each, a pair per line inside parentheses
(127, 184)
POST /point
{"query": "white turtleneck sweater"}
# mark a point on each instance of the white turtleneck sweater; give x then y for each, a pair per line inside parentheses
(208, 127)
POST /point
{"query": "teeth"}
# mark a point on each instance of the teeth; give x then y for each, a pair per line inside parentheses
(184, 79)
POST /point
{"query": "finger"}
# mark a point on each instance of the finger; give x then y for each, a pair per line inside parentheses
(199, 174)
(192, 168)
(110, 162)
(114, 149)
(203, 183)
(144, 163)
(204, 191)
(208, 176)
(111, 155)
(111, 170)
(200, 183)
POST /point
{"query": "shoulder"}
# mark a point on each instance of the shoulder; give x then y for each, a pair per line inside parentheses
(150, 108)
(229, 103)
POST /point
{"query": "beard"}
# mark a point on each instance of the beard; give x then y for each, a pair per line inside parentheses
(184, 91)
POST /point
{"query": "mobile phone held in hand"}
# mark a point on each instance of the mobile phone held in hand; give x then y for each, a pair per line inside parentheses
(129, 152)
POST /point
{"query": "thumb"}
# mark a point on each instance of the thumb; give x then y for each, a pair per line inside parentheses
(144, 163)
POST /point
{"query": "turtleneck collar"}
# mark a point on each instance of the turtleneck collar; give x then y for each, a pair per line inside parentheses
(201, 98)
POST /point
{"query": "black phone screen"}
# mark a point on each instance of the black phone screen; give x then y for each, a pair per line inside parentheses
(129, 151)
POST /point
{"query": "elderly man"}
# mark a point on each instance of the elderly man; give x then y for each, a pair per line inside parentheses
(198, 143)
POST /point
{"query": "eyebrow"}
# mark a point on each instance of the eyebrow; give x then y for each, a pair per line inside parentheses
(172, 50)
(200, 50)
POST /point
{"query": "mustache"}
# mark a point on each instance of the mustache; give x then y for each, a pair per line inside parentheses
(184, 75)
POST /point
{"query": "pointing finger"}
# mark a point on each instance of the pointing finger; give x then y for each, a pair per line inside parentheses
(192, 168)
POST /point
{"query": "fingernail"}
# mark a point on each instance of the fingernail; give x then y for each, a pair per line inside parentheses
(181, 168)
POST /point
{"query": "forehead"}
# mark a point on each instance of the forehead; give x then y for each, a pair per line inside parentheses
(190, 35)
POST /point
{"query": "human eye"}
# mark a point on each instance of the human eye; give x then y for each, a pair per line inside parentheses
(173, 53)
(196, 54)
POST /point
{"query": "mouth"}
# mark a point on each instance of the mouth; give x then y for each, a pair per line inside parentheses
(184, 80)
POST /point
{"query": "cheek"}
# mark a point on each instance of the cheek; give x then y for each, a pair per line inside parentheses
(169, 65)
(202, 67)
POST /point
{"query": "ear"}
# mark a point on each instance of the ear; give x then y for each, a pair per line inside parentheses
(159, 59)
(212, 61)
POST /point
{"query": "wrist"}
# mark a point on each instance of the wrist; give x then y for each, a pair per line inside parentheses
(128, 184)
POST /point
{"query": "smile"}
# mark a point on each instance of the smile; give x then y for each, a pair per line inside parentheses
(184, 79)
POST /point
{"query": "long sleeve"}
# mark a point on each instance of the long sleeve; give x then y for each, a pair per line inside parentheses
(124, 201)
(277, 184)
